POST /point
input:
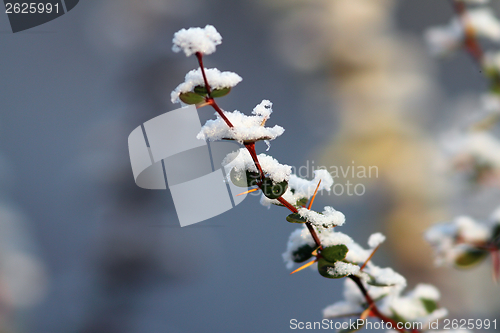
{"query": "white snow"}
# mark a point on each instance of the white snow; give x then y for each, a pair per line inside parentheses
(246, 128)
(445, 39)
(426, 291)
(330, 216)
(192, 40)
(299, 188)
(376, 239)
(216, 79)
(452, 239)
(241, 160)
(343, 268)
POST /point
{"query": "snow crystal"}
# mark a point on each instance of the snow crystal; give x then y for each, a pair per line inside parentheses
(241, 160)
(375, 240)
(192, 40)
(216, 79)
(329, 217)
(246, 128)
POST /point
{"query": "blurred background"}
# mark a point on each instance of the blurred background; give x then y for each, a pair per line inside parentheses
(83, 249)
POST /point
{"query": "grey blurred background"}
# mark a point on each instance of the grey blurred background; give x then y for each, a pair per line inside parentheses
(85, 250)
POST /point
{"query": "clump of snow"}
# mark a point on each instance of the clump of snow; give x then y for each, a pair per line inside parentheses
(302, 236)
(484, 23)
(300, 188)
(246, 128)
(445, 39)
(343, 268)
(297, 239)
(241, 160)
(452, 239)
(328, 237)
(409, 307)
(386, 276)
(357, 253)
(216, 79)
(473, 149)
(426, 291)
(330, 217)
(376, 239)
(192, 40)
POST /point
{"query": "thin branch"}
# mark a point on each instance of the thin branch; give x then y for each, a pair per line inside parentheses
(371, 303)
(199, 56)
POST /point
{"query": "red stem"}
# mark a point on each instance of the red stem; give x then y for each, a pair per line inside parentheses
(470, 42)
(374, 309)
(199, 56)
(213, 103)
(251, 149)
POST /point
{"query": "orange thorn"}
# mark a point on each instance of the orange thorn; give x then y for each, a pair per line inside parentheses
(304, 266)
(369, 258)
(314, 195)
(366, 312)
(249, 191)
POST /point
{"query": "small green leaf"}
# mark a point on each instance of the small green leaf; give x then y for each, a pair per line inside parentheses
(303, 253)
(216, 93)
(301, 202)
(470, 257)
(429, 304)
(191, 98)
(334, 253)
(327, 269)
(295, 218)
(273, 191)
(243, 179)
(200, 90)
